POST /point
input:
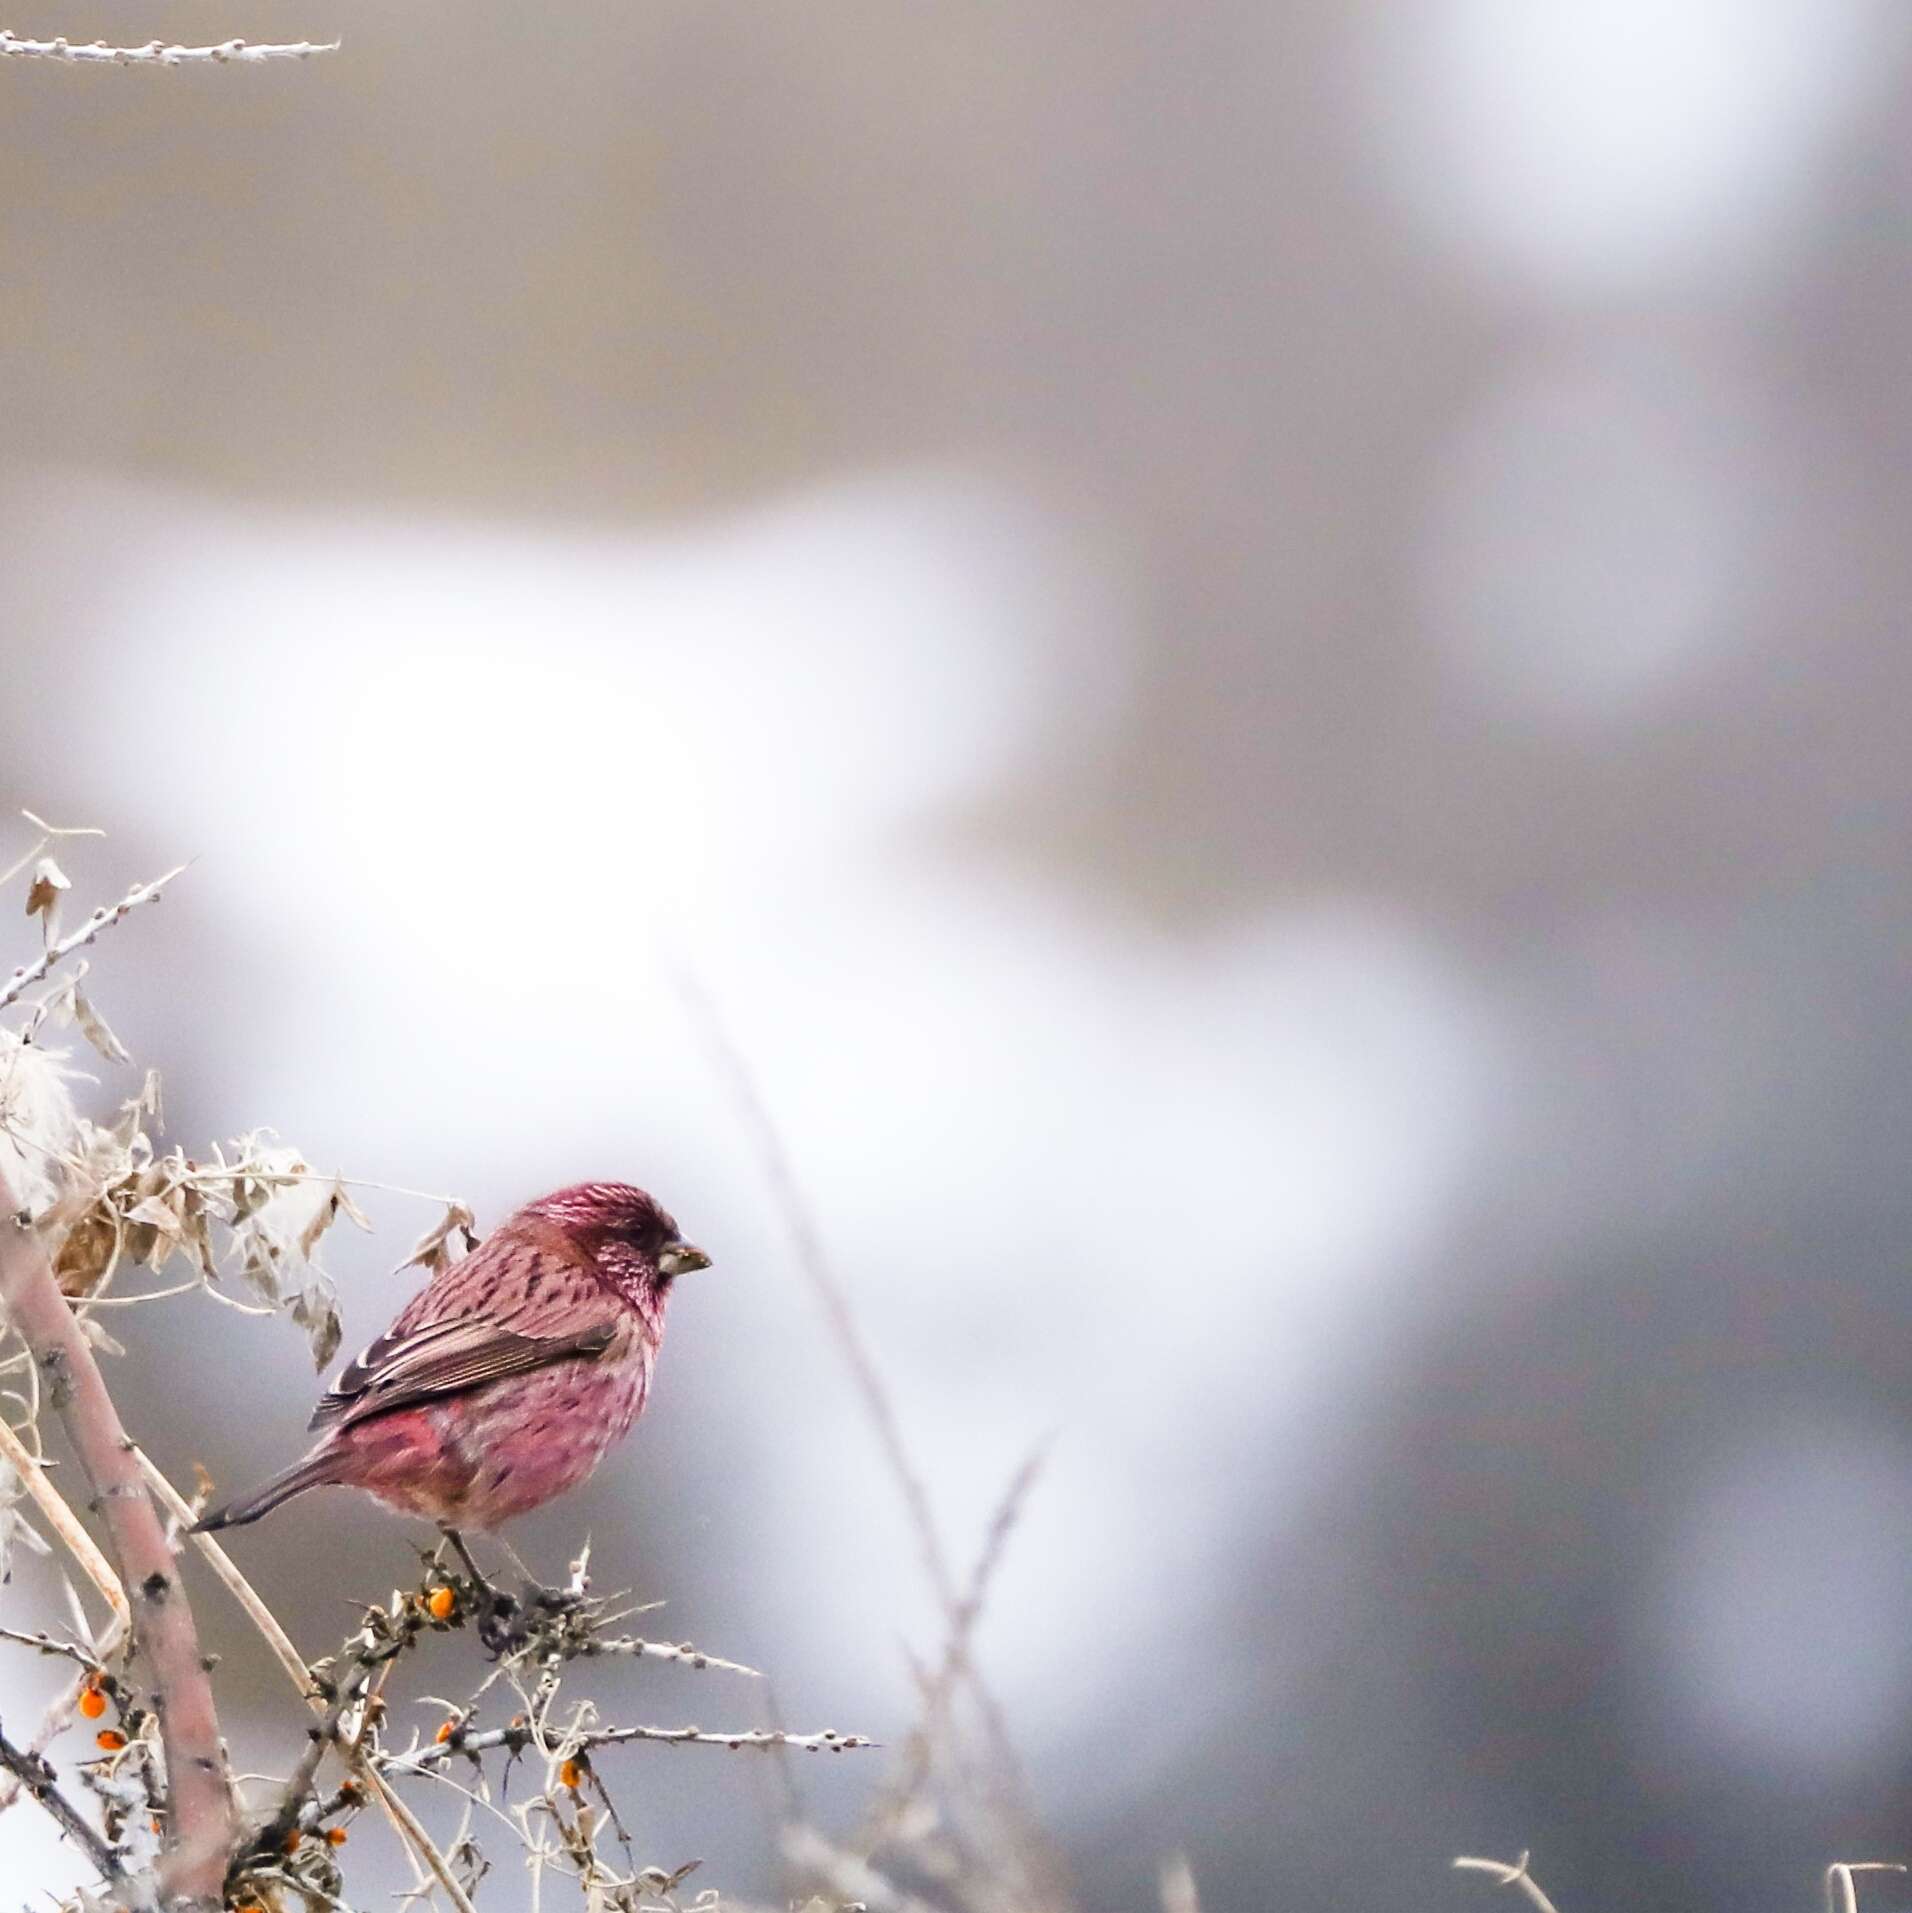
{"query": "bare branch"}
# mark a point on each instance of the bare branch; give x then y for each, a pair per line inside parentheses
(1515, 1875)
(36, 1777)
(46, 1644)
(61, 1519)
(199, 1829)
(807, 1239)
(517, 1739)
(1842, 1892)
(939, 1688)
(682, 1651)
(108, 914)
(154, 53)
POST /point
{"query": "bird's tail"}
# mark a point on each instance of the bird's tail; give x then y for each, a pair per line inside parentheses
(313, 1472)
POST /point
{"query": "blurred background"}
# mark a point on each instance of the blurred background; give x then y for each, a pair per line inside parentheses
(1257, 654)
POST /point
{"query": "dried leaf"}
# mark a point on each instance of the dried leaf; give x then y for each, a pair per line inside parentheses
(43, 894)
(98, 1337)
(130, 1129)
(157, 1228)
(316, 1309)
(348, 1208)
(85, 1252)
(258, 1260)
(94, 1028)
(432, 1250)
(320, 1220)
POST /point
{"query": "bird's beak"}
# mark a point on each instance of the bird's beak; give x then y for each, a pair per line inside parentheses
(680, 1258)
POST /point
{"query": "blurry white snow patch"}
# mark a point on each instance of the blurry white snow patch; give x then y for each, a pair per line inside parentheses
(1589, 150)
(458, 725)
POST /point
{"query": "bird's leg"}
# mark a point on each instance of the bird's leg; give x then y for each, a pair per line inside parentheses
(497, 1610)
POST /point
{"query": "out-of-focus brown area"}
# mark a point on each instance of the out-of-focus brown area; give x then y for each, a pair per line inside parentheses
(1258, 653)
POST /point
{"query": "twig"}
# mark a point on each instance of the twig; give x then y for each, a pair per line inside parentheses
(1515, 1875)
(807, 1239)
(663, 1651)
(939, 1687)
(66, 1524)
(61, 1709)
(517, 1739)
(108, 914)
(48, 832)
(60, 1518)
(199, 1827)
(36, 1778)
(849, 1876)
(1842, 1892)
(46, 1644)
(153, 53)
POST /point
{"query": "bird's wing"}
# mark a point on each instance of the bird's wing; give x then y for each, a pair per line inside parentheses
(406, 1366)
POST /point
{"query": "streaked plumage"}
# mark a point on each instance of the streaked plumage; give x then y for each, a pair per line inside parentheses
(506, 1378)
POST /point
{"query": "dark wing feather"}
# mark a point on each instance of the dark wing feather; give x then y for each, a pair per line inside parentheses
(408, 1366)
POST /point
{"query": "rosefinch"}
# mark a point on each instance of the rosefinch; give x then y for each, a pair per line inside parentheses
(505, 1379)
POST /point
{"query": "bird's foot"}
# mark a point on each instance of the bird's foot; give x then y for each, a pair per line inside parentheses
(500, 1617)
(554, 1600)
(501, 1621)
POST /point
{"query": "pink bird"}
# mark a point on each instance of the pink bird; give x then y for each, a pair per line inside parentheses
(507, 1377)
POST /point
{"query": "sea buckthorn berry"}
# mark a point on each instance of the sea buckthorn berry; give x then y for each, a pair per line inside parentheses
(335, 1836)
(446, 1728)
(110, 1739)
(349, 1789)
(292, 1840)
(92, 1701)
(571, 1774)
(441, 1604)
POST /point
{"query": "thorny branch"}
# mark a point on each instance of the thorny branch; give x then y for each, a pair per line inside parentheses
(199, 1827)
(154, 53)
(517, 1739)
(36, 1777)
(108, 914)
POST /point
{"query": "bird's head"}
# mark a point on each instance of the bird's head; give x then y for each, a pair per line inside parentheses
(627, 1233)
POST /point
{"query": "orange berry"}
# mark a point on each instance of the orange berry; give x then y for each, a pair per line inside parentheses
(110, 1739)
(335, 1836)
(92, 1702)
(446, 1728)
(441, 1604)
(349, 1789)
(571, 1774)
(292, 1840)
